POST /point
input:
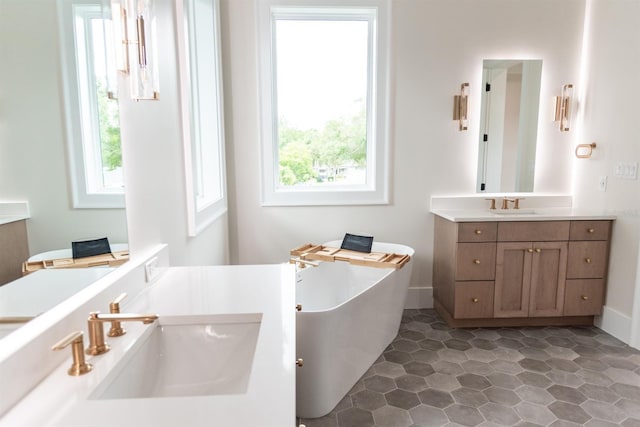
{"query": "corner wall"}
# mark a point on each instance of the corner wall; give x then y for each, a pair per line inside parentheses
(609, 111)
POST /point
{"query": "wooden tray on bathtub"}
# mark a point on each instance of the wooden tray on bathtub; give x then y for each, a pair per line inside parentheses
(107, 260)
(326, 253)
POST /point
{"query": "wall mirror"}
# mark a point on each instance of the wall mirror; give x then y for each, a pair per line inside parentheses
(35, 158)
(508, 125)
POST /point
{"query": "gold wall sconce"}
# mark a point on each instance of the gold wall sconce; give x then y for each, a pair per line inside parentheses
(137, 56)
(584, 151)
(460, 107)
(562, 110)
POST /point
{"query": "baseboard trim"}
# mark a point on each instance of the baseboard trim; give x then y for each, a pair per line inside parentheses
(615, 323)
(419, 297)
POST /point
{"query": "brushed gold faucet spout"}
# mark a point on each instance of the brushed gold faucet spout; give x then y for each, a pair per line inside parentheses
(125, 317)
(15, 319)
(97, 345)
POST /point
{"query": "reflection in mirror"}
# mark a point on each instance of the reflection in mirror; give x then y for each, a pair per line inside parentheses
(35, 129)
(508, 125)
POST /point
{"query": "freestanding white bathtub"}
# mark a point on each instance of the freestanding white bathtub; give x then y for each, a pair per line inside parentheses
(350, 314)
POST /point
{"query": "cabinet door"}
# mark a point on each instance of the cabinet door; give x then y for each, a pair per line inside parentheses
(548, 277)
(513, 279)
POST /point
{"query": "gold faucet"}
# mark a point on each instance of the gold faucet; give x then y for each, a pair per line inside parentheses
(15, 319)
(97, 345)
(302, 263)
(516, 202)
(116, 329)
(74, 339)
(505, 201)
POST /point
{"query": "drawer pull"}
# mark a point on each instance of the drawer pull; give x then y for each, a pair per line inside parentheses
(587, 260)
(478, 232)
(590, 230)
(538, 250)
(530, 250)
(584, 297)
(476, 261)
(474, 299)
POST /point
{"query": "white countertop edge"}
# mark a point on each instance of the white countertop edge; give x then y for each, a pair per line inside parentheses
(541, 214)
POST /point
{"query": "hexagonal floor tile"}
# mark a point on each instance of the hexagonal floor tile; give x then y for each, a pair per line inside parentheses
(402, 399)
(473, 381)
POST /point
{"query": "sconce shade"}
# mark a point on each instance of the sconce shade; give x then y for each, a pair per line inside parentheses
(460, 106)
(137, 57)
(562, 110)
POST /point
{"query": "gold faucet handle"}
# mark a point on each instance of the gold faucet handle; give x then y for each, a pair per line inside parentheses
(493, 204)
(114, 306)
(79, 366)
(505, 201)
(116, 329)
(516, 202)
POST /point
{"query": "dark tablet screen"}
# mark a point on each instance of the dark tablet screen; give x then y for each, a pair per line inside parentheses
(357, 243)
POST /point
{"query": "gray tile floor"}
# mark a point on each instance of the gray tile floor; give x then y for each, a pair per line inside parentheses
(433, 375)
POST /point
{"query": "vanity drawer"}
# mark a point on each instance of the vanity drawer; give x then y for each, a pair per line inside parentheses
(587, 260)
(477, 231)
(473, 300)
(583, 297)
(476, 261)
(590, 230)
(529, 231)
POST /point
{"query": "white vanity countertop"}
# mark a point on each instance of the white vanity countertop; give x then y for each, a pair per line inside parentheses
(13, 211)
(61, 400)
(525, 214)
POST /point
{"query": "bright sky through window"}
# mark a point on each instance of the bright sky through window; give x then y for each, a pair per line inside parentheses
(322, 70)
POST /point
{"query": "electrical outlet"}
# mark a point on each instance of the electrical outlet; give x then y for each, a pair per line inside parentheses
(151, 269)
(602, 184)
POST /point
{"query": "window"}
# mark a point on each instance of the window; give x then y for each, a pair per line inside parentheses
(324, 102)
(93, 129)
(202, 118)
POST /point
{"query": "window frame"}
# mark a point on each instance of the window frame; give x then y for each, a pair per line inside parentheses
(78, 134)
(376, 190)
(205, 176)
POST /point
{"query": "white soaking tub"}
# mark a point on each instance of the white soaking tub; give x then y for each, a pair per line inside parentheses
(350, 314)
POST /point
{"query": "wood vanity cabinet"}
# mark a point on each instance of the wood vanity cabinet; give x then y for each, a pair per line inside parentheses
(14, 250)
(519, 272)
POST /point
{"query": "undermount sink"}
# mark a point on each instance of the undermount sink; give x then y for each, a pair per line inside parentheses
(514, 212)
(187, 356)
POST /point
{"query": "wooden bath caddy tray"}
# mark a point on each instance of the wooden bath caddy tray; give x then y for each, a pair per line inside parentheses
(373, 259)
(109, 260)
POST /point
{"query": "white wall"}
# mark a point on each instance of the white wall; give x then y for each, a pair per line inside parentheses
(436, 45)
(610, 109)
(33, 160)
(154, 166)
